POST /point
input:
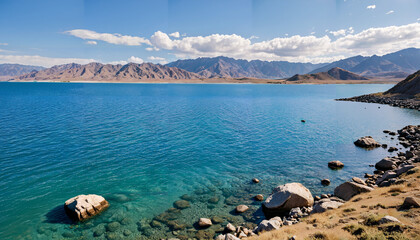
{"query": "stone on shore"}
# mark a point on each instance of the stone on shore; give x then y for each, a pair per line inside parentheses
(367, 142)
(411, 202)
(358, 180)
(349, 189)
(269, 225)
(285, 197)
(335, 165)
(385, 164)
(388, 219)
(324, 205)
(83, 207)
(204, 222)
(241, 208)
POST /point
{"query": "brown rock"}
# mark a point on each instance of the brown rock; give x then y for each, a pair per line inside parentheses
(241, 208)
(83, 207)
(335, 165)
(204, 222)
(259, 197)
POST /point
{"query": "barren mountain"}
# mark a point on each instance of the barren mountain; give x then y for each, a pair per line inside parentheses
(224, 67)
(332, 74)
(8, 69)
(107, 72)
(395, 65)
(408, 87)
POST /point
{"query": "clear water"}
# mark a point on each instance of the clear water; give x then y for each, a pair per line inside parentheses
(142, 146)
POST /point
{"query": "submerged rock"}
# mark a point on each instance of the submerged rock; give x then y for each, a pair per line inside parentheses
(241, 208)
(83, 207)
(285, 197)
(259, 197)
(181, 204)
(204, 222)
(367, 142)
(255, 180)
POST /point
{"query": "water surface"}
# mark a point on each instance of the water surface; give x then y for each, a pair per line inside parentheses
(142, 146)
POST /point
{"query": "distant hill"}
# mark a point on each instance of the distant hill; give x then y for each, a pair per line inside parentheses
(395, 65)
(224, 67)
(107, 72)
(332, 74)
(408, 87)
(8, 69)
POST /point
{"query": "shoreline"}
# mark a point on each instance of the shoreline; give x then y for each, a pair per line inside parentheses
(223, 81)
(408, 102)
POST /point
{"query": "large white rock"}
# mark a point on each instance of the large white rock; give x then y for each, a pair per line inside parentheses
(83, 207)
(269, 225)
(285, 197)
(349, 189)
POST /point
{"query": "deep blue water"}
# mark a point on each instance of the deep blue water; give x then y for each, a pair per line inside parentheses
(142, 146)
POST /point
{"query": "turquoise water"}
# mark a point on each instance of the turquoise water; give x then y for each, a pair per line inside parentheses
(142, 146)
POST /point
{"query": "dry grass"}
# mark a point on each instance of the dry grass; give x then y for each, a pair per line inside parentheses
(359, 220)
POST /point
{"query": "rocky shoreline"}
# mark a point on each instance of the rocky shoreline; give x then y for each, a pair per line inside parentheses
(410, 103)
(288, 204)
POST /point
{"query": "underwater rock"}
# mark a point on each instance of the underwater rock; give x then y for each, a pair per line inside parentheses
(182, 204)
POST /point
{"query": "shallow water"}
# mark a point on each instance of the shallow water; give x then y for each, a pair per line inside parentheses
(142, 146)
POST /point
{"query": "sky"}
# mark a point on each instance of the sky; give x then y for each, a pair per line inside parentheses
(51, 32)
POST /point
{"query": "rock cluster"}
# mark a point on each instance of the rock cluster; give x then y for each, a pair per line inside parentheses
(396, 102)
(83, 207)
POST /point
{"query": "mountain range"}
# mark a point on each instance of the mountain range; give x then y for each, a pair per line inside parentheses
(394, 66)
(397, 65)
(332, 74)
(224, 67)
(107, 72)
(8, 69)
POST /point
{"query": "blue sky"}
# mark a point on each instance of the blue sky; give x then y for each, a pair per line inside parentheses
(55, 32)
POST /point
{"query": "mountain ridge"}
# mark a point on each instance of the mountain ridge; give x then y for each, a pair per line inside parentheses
(11, 69)
(225, 67)
(107, 72)
(332, 74)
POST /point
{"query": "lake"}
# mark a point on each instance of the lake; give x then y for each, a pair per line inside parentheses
(143, 146)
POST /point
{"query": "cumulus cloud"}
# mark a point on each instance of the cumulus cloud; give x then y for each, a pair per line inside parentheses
(160, 60)
(371, 7)
(113, 38)
(175, 35)
(41, 61)
(342, 32)
(91, 42)
(135, 60)
(390, 12)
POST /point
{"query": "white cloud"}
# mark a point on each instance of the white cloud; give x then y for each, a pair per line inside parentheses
(135, 60)
(160, 60)
(253, 37)
(41, 61)
(4, 44)
(342, 32)
(418, 19)
(175, 35)
(371, 7)
(312, 33)
(91, 42)
(390, 12)
(113, 38)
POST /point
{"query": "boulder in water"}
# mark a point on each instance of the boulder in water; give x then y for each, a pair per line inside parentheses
(83, 207)
(367, 142)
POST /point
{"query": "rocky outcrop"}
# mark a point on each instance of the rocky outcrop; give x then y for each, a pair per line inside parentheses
(349, 189)
(285, 197)
(83, 207)
(367, 142)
